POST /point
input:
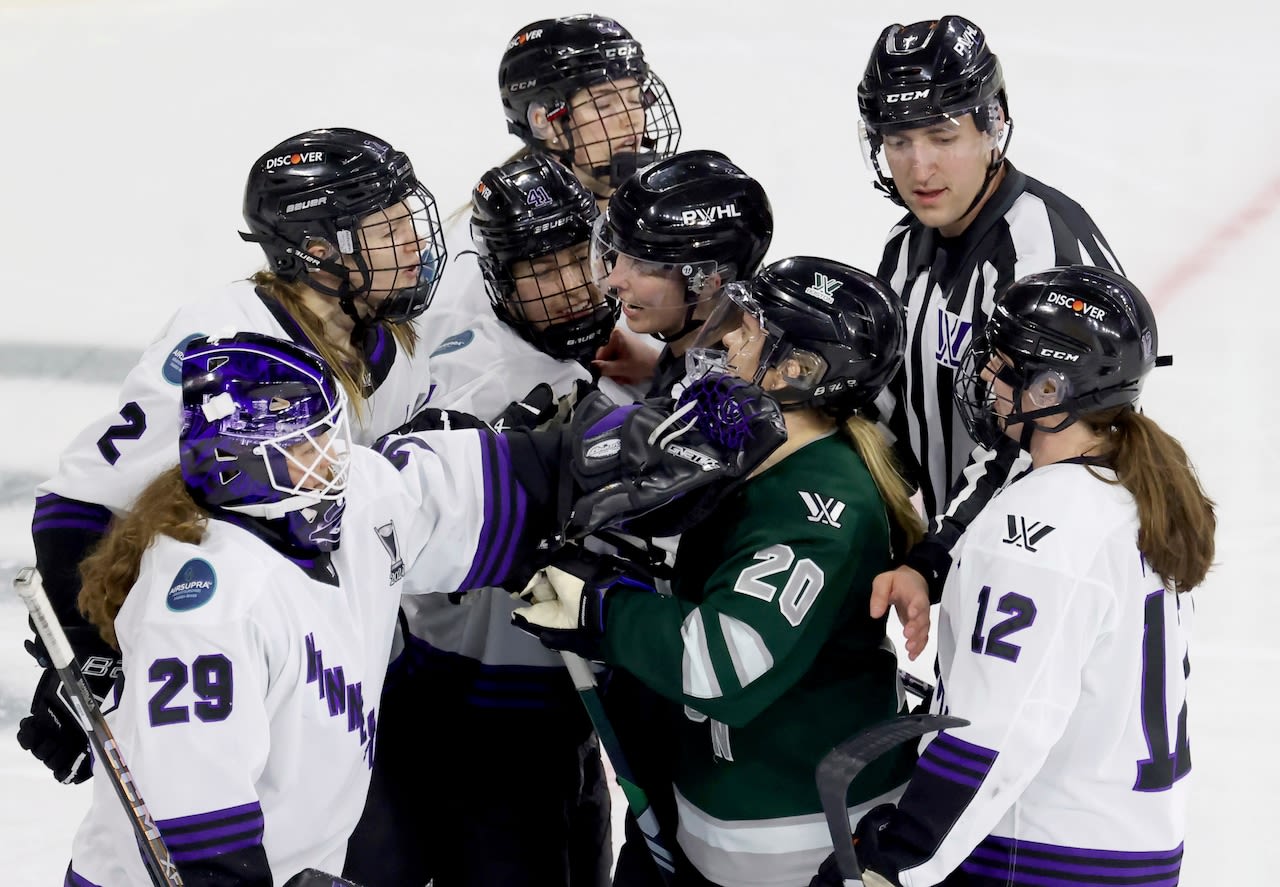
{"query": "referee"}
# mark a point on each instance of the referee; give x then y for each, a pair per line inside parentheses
(935, 130)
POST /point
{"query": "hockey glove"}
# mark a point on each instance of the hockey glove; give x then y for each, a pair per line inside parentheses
(51, 732)
(570, 602)
(435, 419)
(530, 411)
(657, 467)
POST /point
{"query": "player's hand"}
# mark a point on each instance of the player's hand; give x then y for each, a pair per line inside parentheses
(51, 732)
(908, 592)
(530, 411)
(625, 360)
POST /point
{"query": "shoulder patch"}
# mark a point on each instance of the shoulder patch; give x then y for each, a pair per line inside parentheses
(192, 587)
(455, 342)
(172, 369)
(823, 509)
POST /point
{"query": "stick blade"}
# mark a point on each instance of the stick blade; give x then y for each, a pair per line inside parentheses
(843, 763)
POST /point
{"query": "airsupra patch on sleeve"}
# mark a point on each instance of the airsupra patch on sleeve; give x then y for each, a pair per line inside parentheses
(172, 369)
(193, 586)
(454, 343)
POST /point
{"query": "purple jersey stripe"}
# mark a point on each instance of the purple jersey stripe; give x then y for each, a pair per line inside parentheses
(41, 526)
(516, 525)
(213, 817)
(217, 850)
(964, 779)
(959, 746)
(74, 880)
(1024, 847)
(55, 504)
(944, 758)
(486, 527)
(234, 829)
(1102, 868)
(1004, 876)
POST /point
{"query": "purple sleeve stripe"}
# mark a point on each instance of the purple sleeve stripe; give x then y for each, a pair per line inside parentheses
(380, 335)
(74, 880)
(944, 758)
(516, 523)
(51, 504)
(1098, 869)
(43, 526)
(233, 829)
(1025, 848)
(1020, 878)
(217, 850)
(213, 817)
(486, 526)
(934, 769)
(611, 420)
(968, 749)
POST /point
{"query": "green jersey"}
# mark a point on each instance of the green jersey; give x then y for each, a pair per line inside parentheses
(767, 643)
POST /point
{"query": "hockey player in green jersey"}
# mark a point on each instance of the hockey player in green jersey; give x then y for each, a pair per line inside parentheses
(766, 642)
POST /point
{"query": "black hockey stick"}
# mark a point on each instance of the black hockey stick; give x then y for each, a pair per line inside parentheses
(844, 762)
(638, 802)
(155, 855)
(915, 686)
(316, 878)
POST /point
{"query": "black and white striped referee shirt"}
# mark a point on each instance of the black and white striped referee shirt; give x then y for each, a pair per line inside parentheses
(949, 286)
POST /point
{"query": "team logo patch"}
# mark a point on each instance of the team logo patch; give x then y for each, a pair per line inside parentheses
(387, 536)
(1025, 535)
(953, 336)
(455, 342)
(192, 587)
(823, 510)
(172, 369)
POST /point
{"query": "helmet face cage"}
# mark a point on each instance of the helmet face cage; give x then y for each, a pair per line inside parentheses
(552, 302)
(609, 113)
(265, 434)
(345, 212)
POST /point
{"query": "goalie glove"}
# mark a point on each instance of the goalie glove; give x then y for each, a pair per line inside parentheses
(570, 601)
(658, 467)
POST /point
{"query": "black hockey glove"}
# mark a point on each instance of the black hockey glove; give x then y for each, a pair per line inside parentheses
(658, 467)
(570, 600)
(51, 732)
(530, 411)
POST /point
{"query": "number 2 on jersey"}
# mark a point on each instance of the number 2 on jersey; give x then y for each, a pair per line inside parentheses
(132, 428)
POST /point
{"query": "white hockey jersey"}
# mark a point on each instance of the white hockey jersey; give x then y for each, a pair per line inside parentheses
(248, 716)
(481, 366)
(1070, 658)
(110, 461)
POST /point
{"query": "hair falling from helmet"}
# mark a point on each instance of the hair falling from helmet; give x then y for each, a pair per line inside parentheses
(1176, 519)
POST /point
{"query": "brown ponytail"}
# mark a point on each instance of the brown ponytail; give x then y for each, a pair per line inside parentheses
(1176, 520)
(880, 461)
(109, 572)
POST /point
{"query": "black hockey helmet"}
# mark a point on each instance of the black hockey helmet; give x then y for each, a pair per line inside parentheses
(532, 209)
(317, 188)
(835, 334)
(927, 72)
(696, 213)
(547, 62)
(1077, 339)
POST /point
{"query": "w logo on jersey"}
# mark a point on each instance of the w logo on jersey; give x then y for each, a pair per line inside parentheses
(953, 336)
(823, 511)
(1024, 535)
(387, 536)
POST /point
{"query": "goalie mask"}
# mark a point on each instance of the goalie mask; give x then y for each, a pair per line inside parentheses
(343, 211)
(579, 87)
(812, 332)
(1064, 343)
(531, 225)
(265, 435)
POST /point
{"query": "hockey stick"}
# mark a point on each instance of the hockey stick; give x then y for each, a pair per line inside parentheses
(844, 762)
(155, 855)
(915, 686)
(585, 683)
(316, 878)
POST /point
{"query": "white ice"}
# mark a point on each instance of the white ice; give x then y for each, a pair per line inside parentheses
(128, 127)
